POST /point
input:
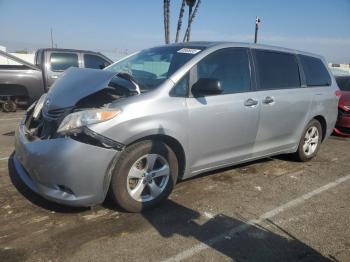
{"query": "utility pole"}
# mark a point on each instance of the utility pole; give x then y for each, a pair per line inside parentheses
(257, 21)
(51, 37)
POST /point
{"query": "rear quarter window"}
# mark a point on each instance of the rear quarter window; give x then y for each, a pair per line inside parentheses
(315, 71)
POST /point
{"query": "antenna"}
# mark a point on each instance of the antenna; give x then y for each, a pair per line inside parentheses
(51, 37)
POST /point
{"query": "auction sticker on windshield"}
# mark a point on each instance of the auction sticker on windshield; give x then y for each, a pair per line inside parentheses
(189, 51)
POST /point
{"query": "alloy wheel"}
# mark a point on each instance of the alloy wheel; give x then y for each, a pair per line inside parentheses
(148, 177)
(311, 140)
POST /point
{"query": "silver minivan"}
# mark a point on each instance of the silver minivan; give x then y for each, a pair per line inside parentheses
(169, 113)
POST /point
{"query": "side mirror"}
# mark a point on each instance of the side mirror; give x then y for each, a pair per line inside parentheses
(207, 86)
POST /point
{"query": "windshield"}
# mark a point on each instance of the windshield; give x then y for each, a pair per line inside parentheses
(343, 83)
(151, 67)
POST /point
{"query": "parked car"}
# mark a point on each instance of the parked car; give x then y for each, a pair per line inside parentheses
(342, 127)
(22, 82)
(169, 113)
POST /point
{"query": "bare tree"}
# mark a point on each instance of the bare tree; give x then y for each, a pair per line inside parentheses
(190, 20)
(166, 14)
(179, 22)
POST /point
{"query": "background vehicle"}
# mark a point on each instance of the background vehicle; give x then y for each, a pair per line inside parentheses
(172, 112)
(342, 126)
(21, 83)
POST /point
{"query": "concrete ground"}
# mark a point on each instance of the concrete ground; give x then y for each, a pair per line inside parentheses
(269, 210)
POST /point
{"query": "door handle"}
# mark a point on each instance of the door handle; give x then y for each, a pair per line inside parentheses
(54, 76)
(250, 102)
(268, 100)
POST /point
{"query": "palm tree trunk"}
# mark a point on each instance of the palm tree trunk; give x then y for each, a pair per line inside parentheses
(190, 8)
(164, 18)
(179, 22)
(168, 22)
(166, 14)
(166, 4)
(193, 15)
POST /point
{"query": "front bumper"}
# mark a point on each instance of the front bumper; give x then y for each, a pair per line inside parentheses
(64, 170)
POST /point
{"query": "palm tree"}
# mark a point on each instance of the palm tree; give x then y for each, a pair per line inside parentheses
(166, 13)
(179, 22)
(191, 18)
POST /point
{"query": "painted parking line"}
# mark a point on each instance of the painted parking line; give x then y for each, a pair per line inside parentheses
(232, 232)
(8, 119)
(3, 158)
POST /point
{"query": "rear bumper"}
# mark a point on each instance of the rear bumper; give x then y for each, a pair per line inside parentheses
(342, 131)
(64, 170)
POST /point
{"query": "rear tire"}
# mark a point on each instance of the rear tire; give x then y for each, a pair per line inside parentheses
(310, 141)
(144, 175)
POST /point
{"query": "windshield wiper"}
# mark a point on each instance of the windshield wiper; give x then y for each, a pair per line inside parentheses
(131, 79)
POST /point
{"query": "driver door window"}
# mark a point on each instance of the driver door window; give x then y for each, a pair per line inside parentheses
(230, 66)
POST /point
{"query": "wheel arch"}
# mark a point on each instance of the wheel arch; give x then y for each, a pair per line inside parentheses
(173, 143)
(323, 123)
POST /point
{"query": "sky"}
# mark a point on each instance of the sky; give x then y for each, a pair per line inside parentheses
(115, 27)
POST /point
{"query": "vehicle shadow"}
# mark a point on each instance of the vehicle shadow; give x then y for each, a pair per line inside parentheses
(232, 237)
(340, 137)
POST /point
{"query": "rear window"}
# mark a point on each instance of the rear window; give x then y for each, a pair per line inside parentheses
(62, 61)
(277, 70)
(343, 83)
(315, 71)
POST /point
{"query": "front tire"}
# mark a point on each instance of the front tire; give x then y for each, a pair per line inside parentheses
(310, 141)
(145, 174)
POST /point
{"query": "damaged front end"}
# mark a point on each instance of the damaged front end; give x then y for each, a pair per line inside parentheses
(78, 99)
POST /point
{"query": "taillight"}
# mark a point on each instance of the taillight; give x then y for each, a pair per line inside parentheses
(338, 93)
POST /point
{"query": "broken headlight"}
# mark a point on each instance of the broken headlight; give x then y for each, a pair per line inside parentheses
(73, 122)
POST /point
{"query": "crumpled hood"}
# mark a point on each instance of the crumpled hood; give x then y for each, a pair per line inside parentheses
(75, 84)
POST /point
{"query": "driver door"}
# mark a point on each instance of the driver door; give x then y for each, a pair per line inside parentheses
(223, 128)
